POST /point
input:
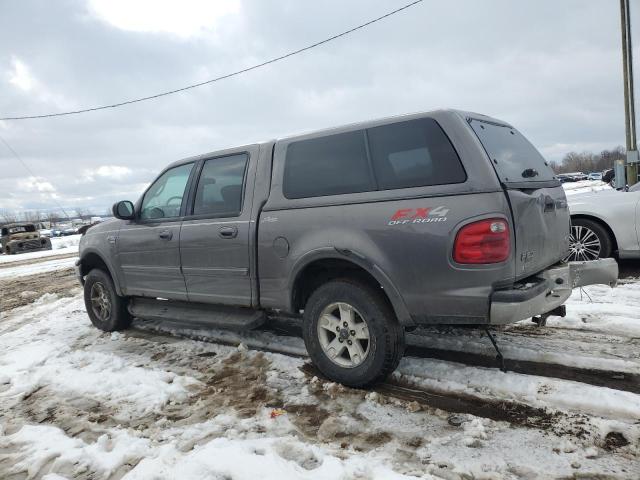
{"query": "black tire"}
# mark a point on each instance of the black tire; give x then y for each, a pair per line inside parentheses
(603, 236)
(118, 318)
(386, 344)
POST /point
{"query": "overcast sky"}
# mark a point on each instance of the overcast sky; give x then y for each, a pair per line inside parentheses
(552, 68)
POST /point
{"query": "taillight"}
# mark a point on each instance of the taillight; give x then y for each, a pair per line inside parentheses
(486, 241)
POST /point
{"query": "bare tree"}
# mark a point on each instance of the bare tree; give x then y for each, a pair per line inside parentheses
(8, 216)
(589, 161)
(81, 212)
(31, 216)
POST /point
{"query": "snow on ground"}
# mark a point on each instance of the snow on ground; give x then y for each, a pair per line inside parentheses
(150, 403)
(83, 404)
(601, 309)
(601, 331)
(585, 186)
(59, 246)
(36, 267)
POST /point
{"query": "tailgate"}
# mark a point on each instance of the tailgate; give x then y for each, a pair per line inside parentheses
(538, 204)
(541, 225)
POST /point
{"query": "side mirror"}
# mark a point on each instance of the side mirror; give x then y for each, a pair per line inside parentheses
(123, 210)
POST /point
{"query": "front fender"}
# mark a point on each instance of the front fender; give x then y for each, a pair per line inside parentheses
(85, 260)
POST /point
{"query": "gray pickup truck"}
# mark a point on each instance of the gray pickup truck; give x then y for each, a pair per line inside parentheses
(362, 231)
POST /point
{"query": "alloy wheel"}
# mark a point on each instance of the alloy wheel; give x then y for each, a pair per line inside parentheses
(100, 301)
(584, 244)
(344, 335)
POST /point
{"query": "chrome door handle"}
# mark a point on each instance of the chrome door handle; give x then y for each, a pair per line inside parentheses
(228, 232)
(166, 235)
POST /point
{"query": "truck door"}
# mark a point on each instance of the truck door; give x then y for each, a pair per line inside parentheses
(214, 241)
(149, 246)
(538, 203)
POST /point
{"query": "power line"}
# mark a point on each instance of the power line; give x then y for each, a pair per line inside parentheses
(26, 167)
(223, 77)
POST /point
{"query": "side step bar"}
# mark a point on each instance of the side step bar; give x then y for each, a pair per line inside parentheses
(220, 316)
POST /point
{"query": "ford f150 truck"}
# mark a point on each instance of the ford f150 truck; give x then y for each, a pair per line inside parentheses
(362, 231)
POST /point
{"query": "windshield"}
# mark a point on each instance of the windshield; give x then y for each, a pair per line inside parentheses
(22, 229)
(515, 159)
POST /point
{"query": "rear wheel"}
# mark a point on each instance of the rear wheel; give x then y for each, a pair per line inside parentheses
(588, 241)
(351, 333)
(106, 309)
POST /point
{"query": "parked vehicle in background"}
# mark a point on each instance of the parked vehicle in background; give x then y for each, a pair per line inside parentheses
(595, 176)
(562, 178)
(22, 237)
(361, 231)
(571, 177)
(64, 229)
(604, 223)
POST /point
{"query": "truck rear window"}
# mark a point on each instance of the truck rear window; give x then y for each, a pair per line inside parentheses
(515, 159)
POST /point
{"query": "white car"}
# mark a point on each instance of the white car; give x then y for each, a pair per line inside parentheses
(604, 222)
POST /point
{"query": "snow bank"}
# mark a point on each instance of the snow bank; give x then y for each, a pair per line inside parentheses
(43, 353)
(59, 246)
(36, 268)
(585, 186)
(602, 309)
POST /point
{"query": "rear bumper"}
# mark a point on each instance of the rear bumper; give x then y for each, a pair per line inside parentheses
(549, 289)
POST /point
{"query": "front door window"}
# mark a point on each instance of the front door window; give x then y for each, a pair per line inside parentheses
(164, 198)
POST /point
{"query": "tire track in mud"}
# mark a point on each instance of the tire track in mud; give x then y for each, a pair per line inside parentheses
(625, 381)
(498, 410)
(600, 378)
(20, 291)
(31, 261)
(515, 413)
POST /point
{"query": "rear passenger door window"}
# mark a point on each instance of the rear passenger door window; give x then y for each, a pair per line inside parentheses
(416, 153)
(220, 187)
(330, 165)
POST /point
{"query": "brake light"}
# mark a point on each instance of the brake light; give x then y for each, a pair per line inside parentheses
(486, 241)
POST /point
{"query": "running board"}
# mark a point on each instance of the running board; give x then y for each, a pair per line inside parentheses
(219, 316)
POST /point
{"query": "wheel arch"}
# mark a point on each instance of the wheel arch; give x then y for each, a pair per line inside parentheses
(603, 224)
(92, 259)
(323, 265)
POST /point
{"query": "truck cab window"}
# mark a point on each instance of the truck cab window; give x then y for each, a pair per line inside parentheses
(219, 190)
(164, 197)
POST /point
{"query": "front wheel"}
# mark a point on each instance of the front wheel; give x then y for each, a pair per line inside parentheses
(351, 333)
(105, 308)
(588, 241)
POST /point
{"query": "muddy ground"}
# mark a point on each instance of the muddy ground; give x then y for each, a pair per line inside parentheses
(16, 292)
(419, 431)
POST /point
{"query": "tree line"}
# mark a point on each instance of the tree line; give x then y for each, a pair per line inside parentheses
(588, 161)
(35, 216)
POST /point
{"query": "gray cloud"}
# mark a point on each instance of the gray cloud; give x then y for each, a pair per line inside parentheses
(551, 68)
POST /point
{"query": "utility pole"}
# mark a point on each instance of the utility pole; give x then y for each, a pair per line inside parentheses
(629, 102)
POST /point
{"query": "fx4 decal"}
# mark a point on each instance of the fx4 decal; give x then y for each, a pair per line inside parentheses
(419, 215)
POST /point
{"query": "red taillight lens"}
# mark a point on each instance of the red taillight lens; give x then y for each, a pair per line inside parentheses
(486, 241)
